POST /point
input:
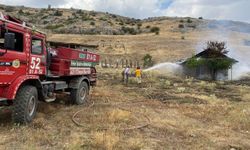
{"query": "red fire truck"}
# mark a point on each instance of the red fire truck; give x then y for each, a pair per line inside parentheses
(30, 71)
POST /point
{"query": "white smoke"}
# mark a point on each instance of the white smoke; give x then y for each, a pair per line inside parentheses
(167, 68)
(234, 43)
(242, 68)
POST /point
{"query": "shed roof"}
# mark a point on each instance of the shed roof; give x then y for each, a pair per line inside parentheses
(210, 54)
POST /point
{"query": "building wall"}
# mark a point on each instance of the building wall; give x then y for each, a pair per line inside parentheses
(204, 73)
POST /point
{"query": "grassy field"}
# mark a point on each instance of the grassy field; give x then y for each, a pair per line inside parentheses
(163, 112)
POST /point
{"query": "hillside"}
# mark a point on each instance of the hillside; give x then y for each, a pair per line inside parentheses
(165, 38)
(76, 21)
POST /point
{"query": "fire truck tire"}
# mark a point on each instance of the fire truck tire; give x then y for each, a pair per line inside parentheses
(25, 105)
(80, 95)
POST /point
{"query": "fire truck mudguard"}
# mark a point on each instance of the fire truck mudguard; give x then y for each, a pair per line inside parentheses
(15, 86)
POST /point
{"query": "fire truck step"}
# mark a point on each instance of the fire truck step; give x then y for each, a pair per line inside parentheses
(3, 99)
(48, 100)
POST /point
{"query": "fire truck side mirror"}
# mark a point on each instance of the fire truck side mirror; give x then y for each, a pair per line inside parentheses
(9, 41)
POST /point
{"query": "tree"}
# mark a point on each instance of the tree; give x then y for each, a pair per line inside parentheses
(147, 61)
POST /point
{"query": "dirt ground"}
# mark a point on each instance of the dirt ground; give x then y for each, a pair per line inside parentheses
(161, 113)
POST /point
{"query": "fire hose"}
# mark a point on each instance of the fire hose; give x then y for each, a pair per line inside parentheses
(119, 106)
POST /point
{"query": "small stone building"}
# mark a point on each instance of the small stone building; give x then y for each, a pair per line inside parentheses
(203, 72)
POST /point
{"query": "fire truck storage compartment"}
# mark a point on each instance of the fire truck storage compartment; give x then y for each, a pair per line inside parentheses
(61, 62)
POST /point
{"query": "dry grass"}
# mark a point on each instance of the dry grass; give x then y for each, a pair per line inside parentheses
(185, 114)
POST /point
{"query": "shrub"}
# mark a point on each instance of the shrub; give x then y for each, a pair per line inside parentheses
(20, 12)
(111, 23)
(181, 21)
(157, 33)
(27, 13)
(52, 27)
(183, 37)
(200, 18)
(92, 23)
(85, 17)
(79, 11)
(9, 9)
(181, 26)
(189, 20)
(103, 19)
(92, 13)
(45, 22)
(70, 21)
(129, 30)
(155, 29)
(44, 17)
(58, 13)
(148, 27)
(148, 60)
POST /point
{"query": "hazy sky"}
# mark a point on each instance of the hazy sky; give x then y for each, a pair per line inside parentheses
(238, 10)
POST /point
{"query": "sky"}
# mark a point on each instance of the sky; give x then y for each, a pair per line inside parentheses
(237, 10)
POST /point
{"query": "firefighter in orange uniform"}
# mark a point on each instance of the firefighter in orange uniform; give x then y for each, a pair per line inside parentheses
(138, 74)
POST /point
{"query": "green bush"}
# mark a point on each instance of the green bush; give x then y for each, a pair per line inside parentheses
(85, 17)
(103, 19)
(155, 29)
(148, 60)
(70, 21)
(92, 23)
(44, 17)
(129, 30)
(181, 26)
(189, 20)
(20, 12)
(92, 13)
(9, 9)
(27, 13)
(58, 13)
(52, 27)
(111, 23)
(45, 22)
(79, 11)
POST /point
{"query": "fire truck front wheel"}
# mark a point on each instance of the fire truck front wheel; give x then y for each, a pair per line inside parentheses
(25, 105)
(80, 95)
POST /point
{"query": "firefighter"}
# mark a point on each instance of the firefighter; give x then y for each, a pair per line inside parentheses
(138, 75)
(126, 74)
